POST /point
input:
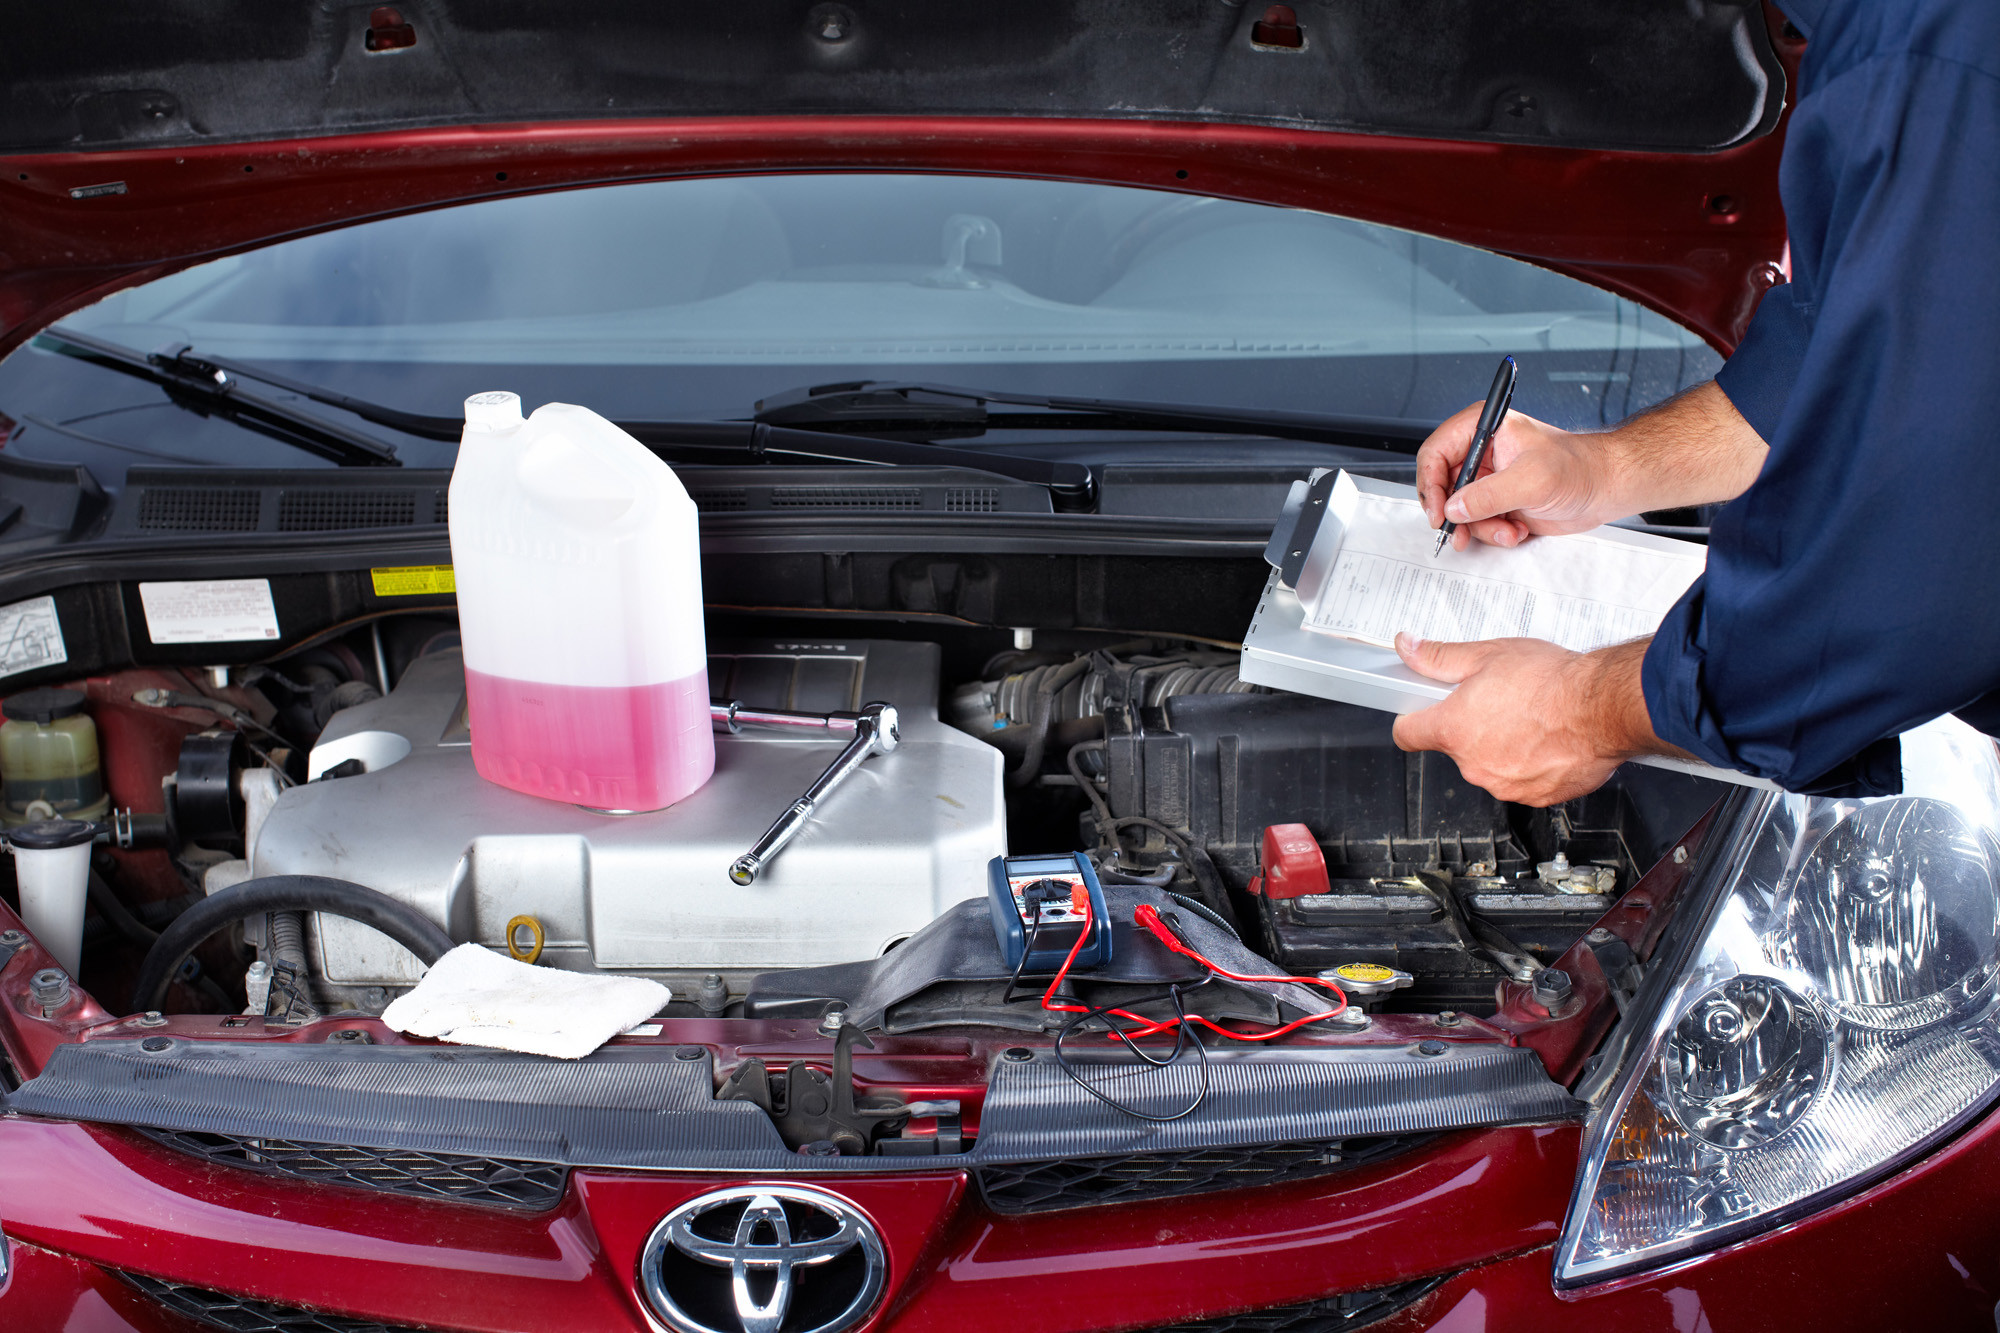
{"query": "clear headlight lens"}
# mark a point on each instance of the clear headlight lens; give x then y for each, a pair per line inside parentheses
(1838, 1013)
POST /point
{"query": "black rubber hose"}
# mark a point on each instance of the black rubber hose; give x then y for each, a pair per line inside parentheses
(1040, 723)
(109, 906)
(283, 893)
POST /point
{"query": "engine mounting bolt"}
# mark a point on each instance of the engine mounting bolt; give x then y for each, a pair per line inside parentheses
(1430, 1046)
(152, 1018)
(1447, 1018)
(1551, 988)
(154, 1045)
(49, 988)
(1017, 1054)
(690, 1052)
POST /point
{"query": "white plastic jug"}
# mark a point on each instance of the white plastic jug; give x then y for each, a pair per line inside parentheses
(578, 565)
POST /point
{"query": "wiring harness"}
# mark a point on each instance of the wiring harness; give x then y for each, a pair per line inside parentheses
(1182, 1024)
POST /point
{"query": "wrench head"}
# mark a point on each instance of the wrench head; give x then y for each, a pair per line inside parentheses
(887, 729)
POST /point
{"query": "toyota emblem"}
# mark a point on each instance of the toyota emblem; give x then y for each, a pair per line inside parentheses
(763, 1259)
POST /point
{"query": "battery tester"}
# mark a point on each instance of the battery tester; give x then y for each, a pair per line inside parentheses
(1050, 902)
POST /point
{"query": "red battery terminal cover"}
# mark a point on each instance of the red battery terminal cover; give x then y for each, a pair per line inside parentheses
(1293, 864)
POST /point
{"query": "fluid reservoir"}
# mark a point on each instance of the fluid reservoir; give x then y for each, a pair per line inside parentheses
(578, 564)
(48, 759)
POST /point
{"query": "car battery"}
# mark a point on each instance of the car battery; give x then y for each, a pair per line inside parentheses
(1041, 904)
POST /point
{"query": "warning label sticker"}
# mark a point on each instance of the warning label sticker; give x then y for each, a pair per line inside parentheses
(212, 611)
(30, 636)
(413, 581)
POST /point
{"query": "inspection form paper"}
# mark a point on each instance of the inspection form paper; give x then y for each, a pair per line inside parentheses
(1584, 591)
(1367, 573)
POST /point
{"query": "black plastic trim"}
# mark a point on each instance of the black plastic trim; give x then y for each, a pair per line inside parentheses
(642, 1108)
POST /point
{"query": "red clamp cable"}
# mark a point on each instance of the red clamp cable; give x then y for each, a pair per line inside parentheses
(1148, 917)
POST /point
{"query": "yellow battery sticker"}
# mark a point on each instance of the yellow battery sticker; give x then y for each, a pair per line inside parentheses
(413, 581)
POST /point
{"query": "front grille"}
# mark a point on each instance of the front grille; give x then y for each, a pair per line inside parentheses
(491, 1180)
(332, 510)
(1037, 1187)
(1330, 1314)
(198, 509)
(847, 497)
(241, 1314)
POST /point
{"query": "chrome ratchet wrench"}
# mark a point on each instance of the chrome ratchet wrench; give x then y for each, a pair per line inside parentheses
(872, 731)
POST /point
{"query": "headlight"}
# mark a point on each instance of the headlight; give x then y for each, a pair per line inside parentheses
(1831, 1013)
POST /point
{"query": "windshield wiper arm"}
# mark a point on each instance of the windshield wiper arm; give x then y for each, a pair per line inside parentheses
(1069, 483)
(207, 389)
(939, 410)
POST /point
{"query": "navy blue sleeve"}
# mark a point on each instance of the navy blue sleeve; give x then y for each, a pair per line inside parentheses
(1854, 590)
(1759, 375)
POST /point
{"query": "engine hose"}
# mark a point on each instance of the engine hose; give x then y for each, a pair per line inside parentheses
(1040, 721)
(113, 910)
(288, 939)
(283, 893)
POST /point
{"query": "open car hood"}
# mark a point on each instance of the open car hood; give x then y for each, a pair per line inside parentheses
(1633, 145)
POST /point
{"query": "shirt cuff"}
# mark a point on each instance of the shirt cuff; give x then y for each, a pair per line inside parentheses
(1758, 378)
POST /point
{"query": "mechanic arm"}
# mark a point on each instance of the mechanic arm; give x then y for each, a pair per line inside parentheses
(1529, 721)
(1695, 448)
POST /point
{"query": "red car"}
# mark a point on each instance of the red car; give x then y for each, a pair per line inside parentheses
(988, 344)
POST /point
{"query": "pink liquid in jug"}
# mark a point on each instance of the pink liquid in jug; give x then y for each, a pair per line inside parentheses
(632, 747)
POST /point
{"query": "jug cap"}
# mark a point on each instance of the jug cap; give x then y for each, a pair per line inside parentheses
(51, 835)
(494, 410)
(43, 706)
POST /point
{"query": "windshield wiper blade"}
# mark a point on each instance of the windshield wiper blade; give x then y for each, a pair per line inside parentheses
(1069, 483)
(207, 389)
(908, 409)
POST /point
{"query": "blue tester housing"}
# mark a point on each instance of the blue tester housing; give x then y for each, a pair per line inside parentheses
(1022, 888)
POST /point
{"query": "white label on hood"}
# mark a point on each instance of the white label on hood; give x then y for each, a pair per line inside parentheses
(30, 636)
(213, 611)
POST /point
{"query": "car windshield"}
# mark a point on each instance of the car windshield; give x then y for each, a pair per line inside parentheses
(693, 299)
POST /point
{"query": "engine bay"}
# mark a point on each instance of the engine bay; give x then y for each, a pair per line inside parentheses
(1292, 825)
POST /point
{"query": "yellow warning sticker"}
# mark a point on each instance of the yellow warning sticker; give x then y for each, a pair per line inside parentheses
(1364, 972)
(413, 581)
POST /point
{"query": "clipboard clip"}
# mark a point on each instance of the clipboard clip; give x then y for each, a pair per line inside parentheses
(1298, 525)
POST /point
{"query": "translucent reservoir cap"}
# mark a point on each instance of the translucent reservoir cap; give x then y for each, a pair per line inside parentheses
(495, 409)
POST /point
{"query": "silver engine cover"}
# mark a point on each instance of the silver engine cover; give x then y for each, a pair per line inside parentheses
(907, 836)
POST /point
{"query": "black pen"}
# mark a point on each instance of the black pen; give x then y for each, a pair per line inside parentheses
(1490, 417)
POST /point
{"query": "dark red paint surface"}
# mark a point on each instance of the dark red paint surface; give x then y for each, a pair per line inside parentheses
(1636, 223)
(1920, 1251)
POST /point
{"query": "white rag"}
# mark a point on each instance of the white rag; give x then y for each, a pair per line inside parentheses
(475, 997)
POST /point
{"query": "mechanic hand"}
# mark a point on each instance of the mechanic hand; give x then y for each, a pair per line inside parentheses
(1535, 478)
(1529, 721)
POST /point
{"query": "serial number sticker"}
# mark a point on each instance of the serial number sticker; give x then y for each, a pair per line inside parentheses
(210, 611)
(30, 636)
(413, 581)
